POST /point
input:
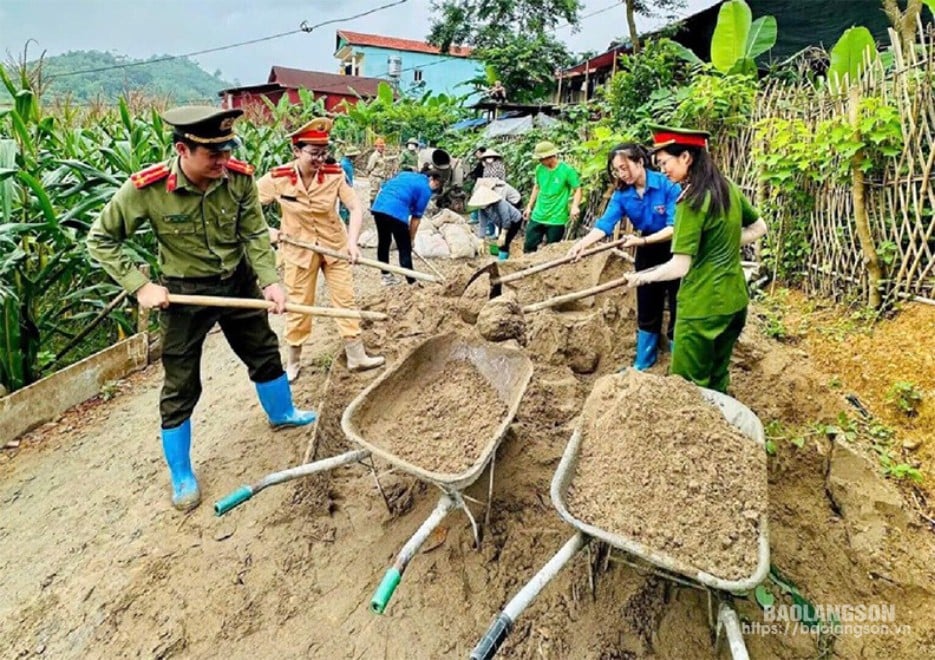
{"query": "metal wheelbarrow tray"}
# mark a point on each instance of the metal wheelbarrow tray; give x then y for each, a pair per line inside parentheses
(739, 416)
(506, 370)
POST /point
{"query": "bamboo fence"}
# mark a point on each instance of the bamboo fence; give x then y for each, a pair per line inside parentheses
(899, 197)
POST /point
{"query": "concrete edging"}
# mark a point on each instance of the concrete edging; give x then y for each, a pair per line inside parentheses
(49, 397)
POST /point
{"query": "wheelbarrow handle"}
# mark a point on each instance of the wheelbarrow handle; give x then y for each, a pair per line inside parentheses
(384, 592)
(232, 500)
(493, 639)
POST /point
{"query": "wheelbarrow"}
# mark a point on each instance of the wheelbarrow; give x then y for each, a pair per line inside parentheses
(506, 370)
(662, 563)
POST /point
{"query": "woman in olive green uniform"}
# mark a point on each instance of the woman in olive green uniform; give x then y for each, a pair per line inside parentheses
(713, 220)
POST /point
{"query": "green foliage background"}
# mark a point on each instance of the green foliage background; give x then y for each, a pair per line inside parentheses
(177, 80)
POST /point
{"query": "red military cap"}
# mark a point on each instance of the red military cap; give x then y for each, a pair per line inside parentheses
(664, 136)
(316, 131)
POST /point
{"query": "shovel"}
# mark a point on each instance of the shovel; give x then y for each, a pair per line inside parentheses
(328, 252)
(256, 303)
(496, 281)
(575, 295)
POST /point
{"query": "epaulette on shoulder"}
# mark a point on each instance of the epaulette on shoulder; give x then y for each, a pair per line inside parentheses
(333, 168)
(150, 175)
(283, 171)
(240, 167)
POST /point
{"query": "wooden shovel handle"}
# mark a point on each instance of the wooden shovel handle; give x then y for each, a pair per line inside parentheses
(557, 262)
(256, 303)
(576, 295)
(328, 252)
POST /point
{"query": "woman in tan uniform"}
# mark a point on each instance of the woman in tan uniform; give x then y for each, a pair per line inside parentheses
(307, 191)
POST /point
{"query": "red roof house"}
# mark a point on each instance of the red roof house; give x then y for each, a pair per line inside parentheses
(332, 88)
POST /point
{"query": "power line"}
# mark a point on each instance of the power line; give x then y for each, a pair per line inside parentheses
(593, 13)
(445, 58)
(303, 27)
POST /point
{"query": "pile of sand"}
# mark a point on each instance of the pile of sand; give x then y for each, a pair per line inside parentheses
(660, 465)
(440, 424)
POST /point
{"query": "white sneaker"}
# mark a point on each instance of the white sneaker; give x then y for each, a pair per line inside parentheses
(388, 279)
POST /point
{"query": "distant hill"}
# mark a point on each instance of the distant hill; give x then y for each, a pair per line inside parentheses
(180, 79)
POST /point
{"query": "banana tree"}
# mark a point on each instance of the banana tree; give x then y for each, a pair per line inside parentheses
(738, 40)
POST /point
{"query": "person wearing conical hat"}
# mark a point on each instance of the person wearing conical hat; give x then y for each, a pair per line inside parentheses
(409, 159)
(647, 199)
(495, 210)
(713, 220)
(307, 190)
(555, 198)
(203, 209)
(377, 167)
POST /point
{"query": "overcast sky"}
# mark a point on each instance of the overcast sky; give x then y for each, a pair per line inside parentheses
(143, 28)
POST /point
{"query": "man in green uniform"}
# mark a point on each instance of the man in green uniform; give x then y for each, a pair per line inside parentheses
(203, 208)
(548, 211)
(409, 159)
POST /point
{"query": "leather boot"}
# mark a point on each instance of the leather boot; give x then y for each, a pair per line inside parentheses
(357, 358)
(276, 399)
(293, 362)
(176, 446)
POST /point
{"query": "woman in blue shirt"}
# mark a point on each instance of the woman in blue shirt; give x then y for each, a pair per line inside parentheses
(397, 210)
(647, 198)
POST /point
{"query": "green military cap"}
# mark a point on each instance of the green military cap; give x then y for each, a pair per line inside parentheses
(352, 151)
(664, 136)
(205, 125)
(412, 141)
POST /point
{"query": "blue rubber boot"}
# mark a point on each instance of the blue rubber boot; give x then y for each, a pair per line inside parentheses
(176, 446)
(646, 345)
(503, 255)
(474, 218)
(276, 399)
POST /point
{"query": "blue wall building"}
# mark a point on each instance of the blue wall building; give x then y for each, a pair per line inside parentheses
(414, 67)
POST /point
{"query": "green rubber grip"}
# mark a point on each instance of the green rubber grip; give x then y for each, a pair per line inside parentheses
(228, 502)
(381, 597)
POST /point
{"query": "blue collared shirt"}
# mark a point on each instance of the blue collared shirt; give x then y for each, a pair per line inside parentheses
(652, 212)
(406, 194)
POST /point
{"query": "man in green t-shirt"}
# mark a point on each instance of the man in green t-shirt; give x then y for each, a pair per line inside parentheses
(547, 210)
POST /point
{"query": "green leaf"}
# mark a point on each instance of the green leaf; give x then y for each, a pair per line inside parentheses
(42, 197)
(730, 34)
(764, 596)
(689, 55)
(930, 4)
(848, 56)
(385, 93)
(744, 66)
(762, 36)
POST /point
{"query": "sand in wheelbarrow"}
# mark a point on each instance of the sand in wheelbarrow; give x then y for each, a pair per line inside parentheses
(440, 424)
(661, 466)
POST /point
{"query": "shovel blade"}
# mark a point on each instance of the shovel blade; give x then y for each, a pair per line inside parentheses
(494, 271)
